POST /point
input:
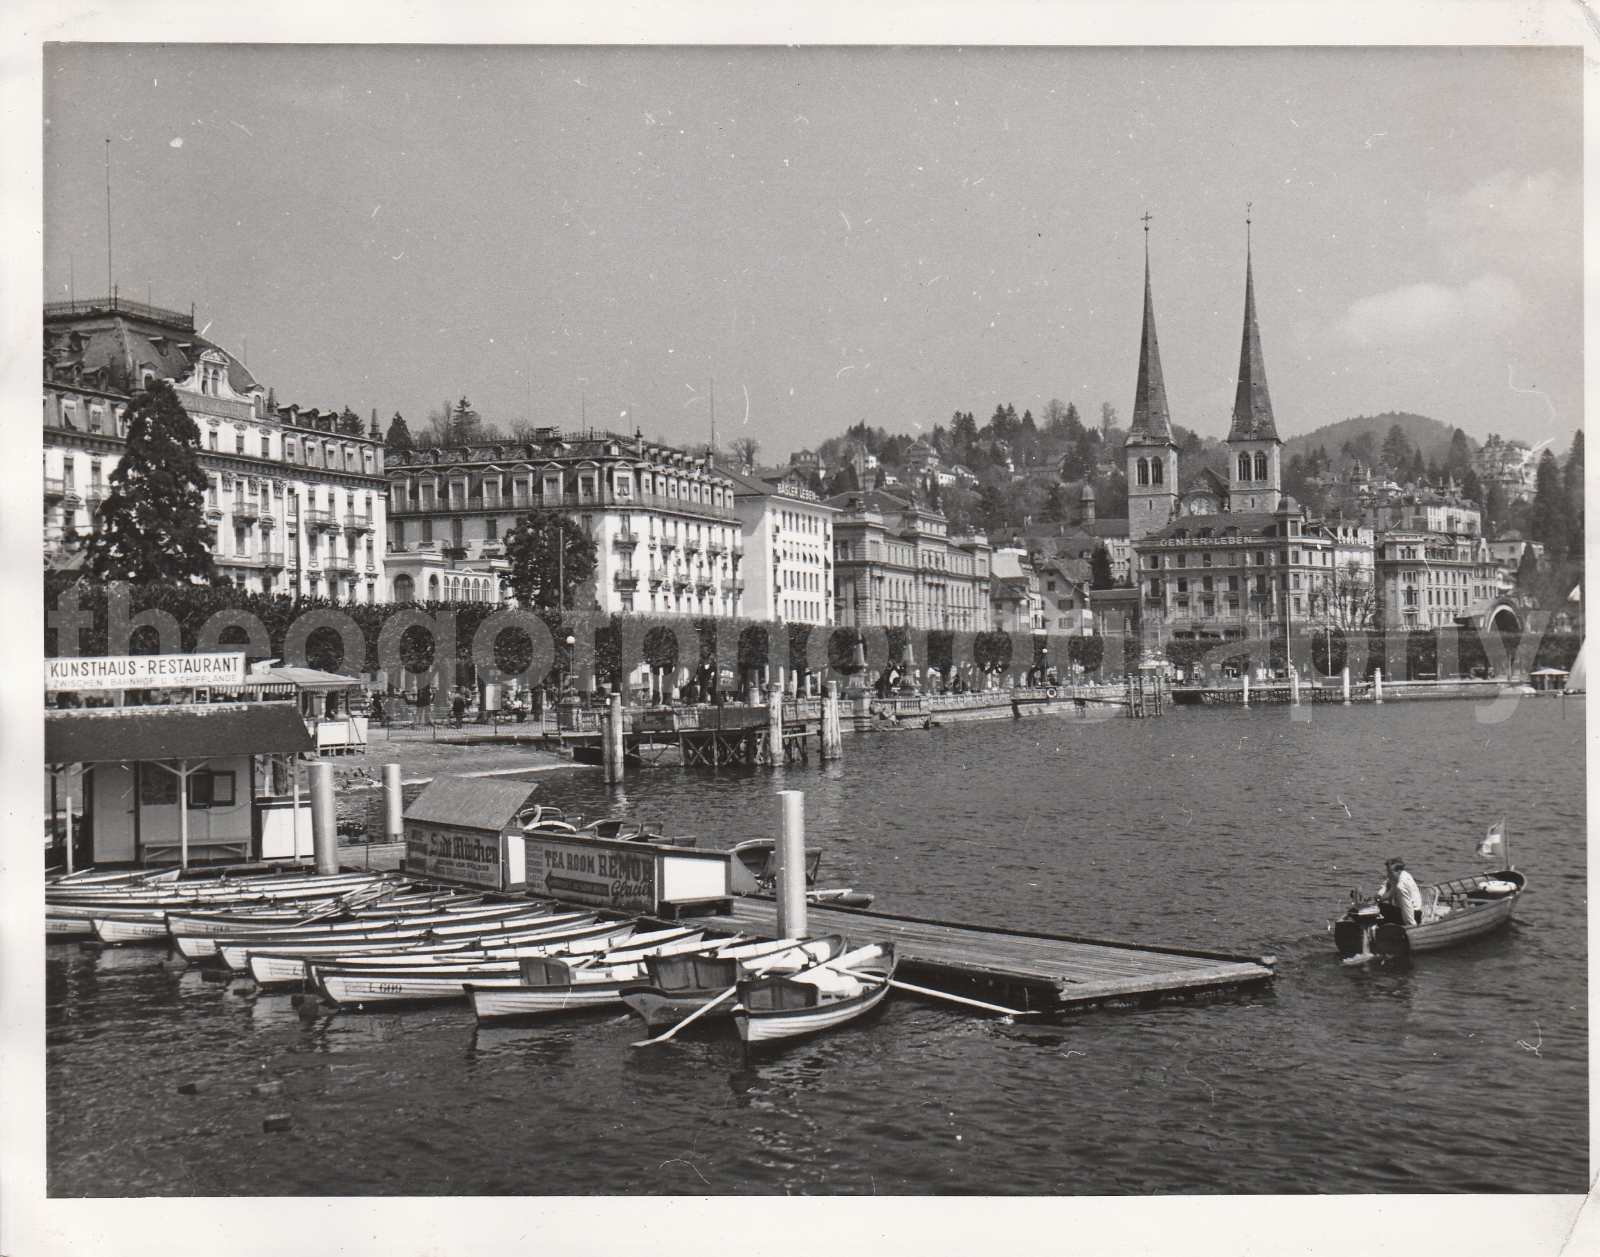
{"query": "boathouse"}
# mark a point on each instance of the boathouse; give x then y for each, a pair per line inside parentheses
(192, 783)
(465, 829)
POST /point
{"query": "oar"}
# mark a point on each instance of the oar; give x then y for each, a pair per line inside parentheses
(732, 990)
(955, 999)
(694, 1016)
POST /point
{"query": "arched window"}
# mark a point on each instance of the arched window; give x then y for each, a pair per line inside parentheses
(1144, 471)
(405, 589)
(1261, 466)
(433, 588)
(1155, 471)
(1244, 466)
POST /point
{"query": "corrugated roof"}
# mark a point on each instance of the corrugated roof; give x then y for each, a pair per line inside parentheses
(95, 735)
(470, 802)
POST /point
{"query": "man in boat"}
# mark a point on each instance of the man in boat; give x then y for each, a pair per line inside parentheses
(1400, 901)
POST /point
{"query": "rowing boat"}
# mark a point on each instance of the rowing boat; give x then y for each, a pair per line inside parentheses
(816, 999)
(272, 967)
(199, 946)
(1463, 909)
(366, 985)
(679, 986)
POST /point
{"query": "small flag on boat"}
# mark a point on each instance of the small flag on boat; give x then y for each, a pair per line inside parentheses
(1494, 842)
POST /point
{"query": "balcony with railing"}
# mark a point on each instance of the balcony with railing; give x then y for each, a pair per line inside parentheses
(357, 523)
(54, 487)
(733, 587)
(717, 547)
(315, 519)
(692, 546)
(627, 539)
(625, 580)
(272, 559)
(246, 512)
(599, 500)
(338, 565)
(658, 577)
(668, 545)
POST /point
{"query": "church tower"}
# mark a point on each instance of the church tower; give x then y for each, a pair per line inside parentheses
(1151, 451)
(1255, 454)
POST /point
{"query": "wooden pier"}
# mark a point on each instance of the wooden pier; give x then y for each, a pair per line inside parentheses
(1041, 972)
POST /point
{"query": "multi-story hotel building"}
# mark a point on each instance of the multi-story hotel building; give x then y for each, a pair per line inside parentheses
(296, 497)
(664, 524)
(895, 563)
(1432, 580)
(788, 536)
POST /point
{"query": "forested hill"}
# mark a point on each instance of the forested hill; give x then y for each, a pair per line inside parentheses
(1428, 435)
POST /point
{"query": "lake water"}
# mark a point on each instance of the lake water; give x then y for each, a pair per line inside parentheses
(1220, 828)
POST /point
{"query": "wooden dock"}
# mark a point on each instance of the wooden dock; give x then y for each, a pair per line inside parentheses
(1023, 970)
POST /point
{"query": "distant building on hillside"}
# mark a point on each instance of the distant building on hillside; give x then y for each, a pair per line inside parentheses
(1509, 464)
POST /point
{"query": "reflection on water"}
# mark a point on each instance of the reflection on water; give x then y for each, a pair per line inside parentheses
(1226, 829)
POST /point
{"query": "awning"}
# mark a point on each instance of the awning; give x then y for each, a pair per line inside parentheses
(95, 735)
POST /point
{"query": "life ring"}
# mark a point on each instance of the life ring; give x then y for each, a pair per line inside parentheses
(1049, 691)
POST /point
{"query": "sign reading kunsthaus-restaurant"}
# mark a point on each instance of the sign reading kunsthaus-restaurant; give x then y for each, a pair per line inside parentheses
(140, 672)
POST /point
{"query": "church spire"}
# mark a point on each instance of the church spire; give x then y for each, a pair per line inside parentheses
(1252, 406)
(1151, 422)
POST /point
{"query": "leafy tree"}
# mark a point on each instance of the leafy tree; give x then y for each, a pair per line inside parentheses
(1100, 569)
(551, 556)
(745, 450)
(153, 525)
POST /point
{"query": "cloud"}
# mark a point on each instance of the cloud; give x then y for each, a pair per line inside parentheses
(1430, 311)
(1509, 223)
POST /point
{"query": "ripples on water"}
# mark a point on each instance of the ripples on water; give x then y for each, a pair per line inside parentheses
(1229, 829)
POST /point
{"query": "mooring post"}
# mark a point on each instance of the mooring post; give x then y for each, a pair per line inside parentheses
(832, 739)
(69, 824)
(611, 736)
(394, 825)
(1377, 685)
(1345, 682)
(791, 852)
(1294, 686)
(775, 723)
(324, 817)
(1246, 690)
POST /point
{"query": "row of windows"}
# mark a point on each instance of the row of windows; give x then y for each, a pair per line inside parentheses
(1149, 471)
(1238, 558)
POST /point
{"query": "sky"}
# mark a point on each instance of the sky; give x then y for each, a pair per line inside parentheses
(593, 235)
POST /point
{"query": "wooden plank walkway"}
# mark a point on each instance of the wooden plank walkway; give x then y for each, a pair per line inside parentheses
(1022, 969)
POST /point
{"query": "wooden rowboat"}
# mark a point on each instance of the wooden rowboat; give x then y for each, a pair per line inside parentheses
(679, 986)
(347, 985)
(816, 999)
(1467, 908)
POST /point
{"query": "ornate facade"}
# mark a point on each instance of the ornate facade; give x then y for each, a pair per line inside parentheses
(296, 497)
(666, 532)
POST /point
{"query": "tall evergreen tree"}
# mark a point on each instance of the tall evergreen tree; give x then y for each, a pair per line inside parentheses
(1550, 520)
(551, 556)
(1572, 479)
(153, 524)
(1100, 569)
(1396, 452)
(399, 435)
(1458, 458)
(1418, 471)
